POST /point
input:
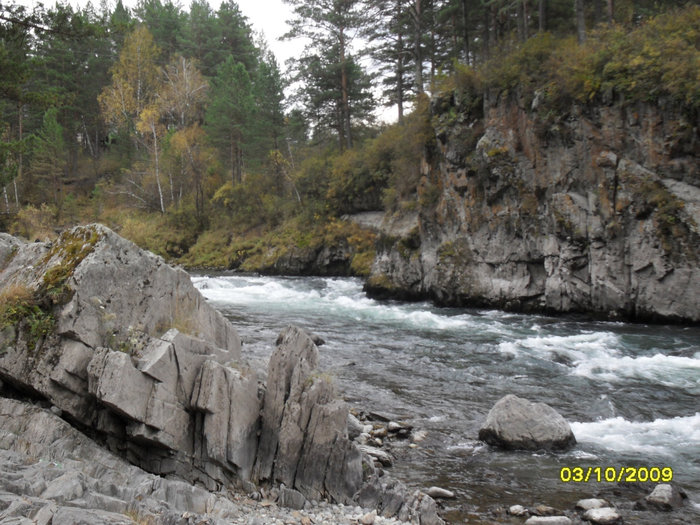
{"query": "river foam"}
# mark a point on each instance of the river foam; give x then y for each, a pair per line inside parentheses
(661, 437)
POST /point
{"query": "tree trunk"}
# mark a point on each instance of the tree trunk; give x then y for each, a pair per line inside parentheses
(580, 21)
(543, 16)
(399, 85)
(239, 162)
(521, 21)
(465, 31)
(345, 110)
(611, 11)
(417, 52)
(172, 188)
(20, 156)
(526, 17)
(486, 34)
(155, 154)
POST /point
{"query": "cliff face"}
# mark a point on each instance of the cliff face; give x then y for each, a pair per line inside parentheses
(594, 212)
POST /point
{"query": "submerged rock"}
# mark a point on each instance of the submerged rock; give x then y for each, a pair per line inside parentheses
(516, 423)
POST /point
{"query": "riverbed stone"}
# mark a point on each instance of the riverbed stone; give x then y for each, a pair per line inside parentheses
(377, 453)
(517, 510)
(440, 493)
(291, 498)
(602, 516)
(516, 423)
(591, 503)
(355, 427)
(548, 520)
(665, 497)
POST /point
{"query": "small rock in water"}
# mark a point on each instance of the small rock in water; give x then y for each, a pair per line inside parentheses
(393, 426)
(548, 520)
(665, 497)
(602, 516)
(419, 436)
(544, 510)
(437, 492)
(517, 510)
(591, 503)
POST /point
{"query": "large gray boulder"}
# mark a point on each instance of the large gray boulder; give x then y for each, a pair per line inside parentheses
(516, 423)
(127, 348)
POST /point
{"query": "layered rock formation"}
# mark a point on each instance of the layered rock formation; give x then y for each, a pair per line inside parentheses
(596, 211)
(126, 350)
(131, 352)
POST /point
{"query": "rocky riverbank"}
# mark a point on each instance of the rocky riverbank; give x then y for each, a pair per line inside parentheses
(159, 412)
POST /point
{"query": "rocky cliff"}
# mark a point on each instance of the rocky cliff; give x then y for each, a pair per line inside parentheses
(595, 211)
(141, 369)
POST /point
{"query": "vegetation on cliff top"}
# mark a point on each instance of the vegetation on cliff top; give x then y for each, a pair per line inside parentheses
(656, 61)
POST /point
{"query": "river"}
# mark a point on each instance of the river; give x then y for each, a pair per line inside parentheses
(629, 391)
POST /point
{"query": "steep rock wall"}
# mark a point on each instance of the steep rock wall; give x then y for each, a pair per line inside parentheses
(595, 212)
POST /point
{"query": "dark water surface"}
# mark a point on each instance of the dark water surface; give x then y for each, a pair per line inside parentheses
(631, 392)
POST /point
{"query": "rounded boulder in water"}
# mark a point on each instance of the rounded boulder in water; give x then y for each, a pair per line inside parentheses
(515, 423)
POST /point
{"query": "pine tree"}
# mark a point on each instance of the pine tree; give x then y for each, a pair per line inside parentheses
(49, 159)
(335, 93)
(230, 112)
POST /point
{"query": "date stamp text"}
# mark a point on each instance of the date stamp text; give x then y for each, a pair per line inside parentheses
(615, 474)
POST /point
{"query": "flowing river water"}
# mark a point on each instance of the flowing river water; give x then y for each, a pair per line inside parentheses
(629, 391)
